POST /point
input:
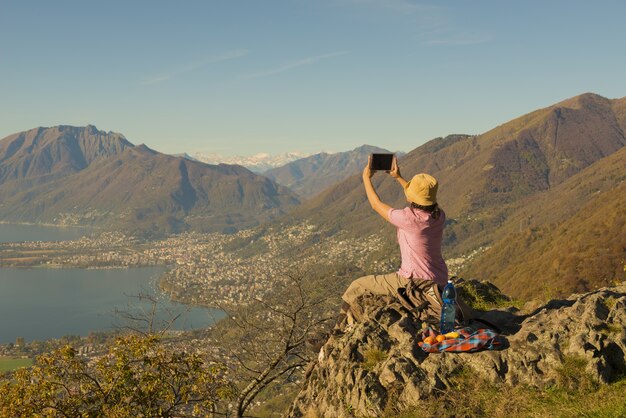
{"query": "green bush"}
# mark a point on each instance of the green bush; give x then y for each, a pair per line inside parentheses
(139, 376)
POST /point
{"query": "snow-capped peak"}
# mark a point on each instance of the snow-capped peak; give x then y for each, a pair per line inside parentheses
(257, 163)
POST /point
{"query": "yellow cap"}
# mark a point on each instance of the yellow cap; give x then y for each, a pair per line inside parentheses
(422, 189)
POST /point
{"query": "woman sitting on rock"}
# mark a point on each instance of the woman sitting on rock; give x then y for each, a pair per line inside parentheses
(419, 231)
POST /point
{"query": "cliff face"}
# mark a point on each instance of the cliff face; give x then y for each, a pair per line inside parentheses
(377, 364)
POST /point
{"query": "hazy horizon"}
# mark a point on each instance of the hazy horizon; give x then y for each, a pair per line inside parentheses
(233, 154)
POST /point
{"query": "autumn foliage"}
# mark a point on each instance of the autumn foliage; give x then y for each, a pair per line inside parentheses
(138, 376)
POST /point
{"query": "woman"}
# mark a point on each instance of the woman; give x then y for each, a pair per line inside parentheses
(419, 232)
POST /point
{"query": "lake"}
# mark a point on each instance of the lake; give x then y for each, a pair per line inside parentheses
(40, 304)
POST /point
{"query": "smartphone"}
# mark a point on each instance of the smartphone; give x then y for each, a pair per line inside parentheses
(381, 162)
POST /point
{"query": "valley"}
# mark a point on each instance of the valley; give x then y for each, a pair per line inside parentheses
(188, 190)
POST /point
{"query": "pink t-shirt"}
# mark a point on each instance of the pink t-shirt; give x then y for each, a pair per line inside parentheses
(419, 236)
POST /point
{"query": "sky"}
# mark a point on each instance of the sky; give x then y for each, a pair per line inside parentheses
(242, 77)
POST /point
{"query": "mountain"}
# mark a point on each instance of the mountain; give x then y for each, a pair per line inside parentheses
(42, 154)
(310, 175)
(257, 163)
(486, 179)
(84, 176)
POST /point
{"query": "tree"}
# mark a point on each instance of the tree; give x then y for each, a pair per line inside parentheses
(138, 376)
(145, 316)
(266, 340)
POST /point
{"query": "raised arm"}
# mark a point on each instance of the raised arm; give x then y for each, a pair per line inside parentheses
(381, 208)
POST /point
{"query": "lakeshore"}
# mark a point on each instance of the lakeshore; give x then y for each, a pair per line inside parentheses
(48, 298)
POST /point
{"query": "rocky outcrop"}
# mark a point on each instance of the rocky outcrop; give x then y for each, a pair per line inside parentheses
(378, 362)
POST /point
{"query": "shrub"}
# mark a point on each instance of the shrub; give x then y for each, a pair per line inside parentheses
(137, 377)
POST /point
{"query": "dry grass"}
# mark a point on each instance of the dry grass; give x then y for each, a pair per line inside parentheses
(372, 357)
(610, 302)
(575, 395)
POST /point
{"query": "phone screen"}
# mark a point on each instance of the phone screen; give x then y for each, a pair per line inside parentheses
(381, 162)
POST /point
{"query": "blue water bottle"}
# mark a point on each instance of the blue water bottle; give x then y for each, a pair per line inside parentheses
(448, 310)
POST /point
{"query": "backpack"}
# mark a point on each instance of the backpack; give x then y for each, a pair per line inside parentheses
(423, 299)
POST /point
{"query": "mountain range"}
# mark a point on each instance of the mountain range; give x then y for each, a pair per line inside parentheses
(310, 175)
(80, 175)
(509, 193)
(257, 163)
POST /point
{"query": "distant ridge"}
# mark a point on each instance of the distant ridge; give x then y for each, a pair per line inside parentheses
(310, 175)
(79, 175)
(257, 163)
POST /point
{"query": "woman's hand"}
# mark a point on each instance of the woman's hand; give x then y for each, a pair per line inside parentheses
(395, 170)
(367, 171)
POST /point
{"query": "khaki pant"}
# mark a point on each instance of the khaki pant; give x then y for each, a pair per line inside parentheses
(387, 285)
(378, 284)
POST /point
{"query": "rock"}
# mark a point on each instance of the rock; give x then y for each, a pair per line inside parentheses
(587, 329)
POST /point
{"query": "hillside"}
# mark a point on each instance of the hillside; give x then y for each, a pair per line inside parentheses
(485, 180)
(84, 176)
(310, 175)
(573, 236)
